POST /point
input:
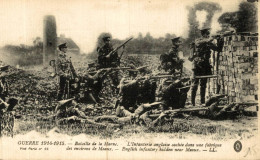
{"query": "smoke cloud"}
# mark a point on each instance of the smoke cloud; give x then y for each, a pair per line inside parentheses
(210, 8)
(198, 20)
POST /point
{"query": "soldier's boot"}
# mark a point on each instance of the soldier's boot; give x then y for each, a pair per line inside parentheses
(193, 91)
(182, 100)
(193, 96)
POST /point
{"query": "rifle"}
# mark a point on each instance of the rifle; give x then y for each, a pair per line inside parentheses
(115, 50)
(73, 72)
(62, 103)
(108, 69)
(152, 77)
(181, 110)
(4, 68)
(206, 76)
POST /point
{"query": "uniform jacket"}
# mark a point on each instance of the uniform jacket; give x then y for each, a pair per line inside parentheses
(63, 65)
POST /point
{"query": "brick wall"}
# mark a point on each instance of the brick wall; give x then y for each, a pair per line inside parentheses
(238, 68)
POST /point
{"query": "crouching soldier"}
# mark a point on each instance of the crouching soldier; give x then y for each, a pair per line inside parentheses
(136, 92)
(88, 87)
(7, 117)
(173, 94)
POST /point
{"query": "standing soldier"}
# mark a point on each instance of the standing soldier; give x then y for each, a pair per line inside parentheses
(109, 59)
(65, 71)
(106, 60)
(201, 64)
(170, 61)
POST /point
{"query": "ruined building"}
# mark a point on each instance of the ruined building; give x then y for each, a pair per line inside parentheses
(237, 67)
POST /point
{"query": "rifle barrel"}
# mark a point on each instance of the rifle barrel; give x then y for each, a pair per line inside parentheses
(206, 76)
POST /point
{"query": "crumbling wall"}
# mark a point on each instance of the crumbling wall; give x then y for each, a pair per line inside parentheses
(238, 68)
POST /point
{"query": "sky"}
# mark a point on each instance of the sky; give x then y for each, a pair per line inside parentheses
(83, 20)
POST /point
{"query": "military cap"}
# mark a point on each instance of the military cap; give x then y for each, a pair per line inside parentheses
(174, 40)
(106, 37)
(63, 45)
(203, 30)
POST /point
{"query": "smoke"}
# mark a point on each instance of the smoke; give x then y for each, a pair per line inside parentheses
(200, 16)
(210, 8)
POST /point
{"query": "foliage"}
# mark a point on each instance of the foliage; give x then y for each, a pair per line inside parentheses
(244, 20)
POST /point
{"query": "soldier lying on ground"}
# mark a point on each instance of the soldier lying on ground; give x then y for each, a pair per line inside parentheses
(69, 111)
(141, 115)
(136, 92)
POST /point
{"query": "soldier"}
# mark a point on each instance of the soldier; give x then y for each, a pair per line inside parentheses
(89, 86)
(128, 92)
(173, 94)
(136, 92)
(201, 64)
(3, 88)
(106, 60)
(65, 71)
(6, 116)
(69, 110)
(141, 114)
(170, 61)
(147, 114)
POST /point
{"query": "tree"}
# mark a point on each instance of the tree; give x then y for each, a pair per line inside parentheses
(244, 20)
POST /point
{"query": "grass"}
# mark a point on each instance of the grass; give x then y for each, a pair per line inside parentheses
(179, 128)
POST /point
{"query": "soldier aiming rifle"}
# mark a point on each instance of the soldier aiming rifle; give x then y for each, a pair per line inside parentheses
(201, 66)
